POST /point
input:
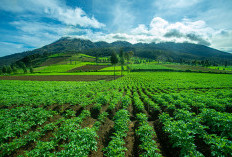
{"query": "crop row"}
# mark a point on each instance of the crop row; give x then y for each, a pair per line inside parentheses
(116, 145)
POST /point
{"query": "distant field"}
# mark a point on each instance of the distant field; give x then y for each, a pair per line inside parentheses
(148, 66)
(194, 68)
(88, 68)
(111, 68)
(228, 68)
(60, 68)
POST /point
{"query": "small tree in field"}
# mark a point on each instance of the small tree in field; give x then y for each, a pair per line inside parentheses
(114, 60)
(122, 60)
(97, 59)
(4, 69)
(9, 70)
(14, 69)
(31, 69)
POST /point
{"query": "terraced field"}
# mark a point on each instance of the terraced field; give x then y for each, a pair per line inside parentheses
(141, 114)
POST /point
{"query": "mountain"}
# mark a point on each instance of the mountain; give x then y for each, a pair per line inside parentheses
(121, 44)
(167, 50)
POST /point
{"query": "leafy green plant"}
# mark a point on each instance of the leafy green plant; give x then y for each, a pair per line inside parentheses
(146, 134)
(116, 145)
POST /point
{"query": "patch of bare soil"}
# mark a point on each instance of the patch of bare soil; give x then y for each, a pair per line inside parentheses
(130, 141)
(54, 60)
(104, 133)
(88, 68)
(61, 78)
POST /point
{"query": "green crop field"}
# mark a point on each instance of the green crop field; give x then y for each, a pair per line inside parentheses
(117, 68)
(141, 114)
(229, 68)
(59, 68)
(147, 66)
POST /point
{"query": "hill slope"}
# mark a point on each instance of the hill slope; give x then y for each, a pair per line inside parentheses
(168, 50)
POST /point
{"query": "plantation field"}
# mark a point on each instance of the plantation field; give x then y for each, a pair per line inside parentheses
(60, 77)
(197, 68)
(111, 68)
(60, 68)
(148, 66)
(141, 114)
(88, 68)
(228, 68)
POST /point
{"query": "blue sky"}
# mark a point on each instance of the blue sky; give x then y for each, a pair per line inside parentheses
(30, 24)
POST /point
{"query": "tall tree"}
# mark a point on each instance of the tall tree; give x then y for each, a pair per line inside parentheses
(114, 60)
(14, 69)
(4, 69)
(9, 70)
(23, 66)
(122, 60)
(31, 69)
(226, 63)
(96, 59)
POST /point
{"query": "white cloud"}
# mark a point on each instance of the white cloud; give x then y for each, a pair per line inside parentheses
(159, 30)
(53, 9)
(141, 29)
(74, 17)
(186, 30)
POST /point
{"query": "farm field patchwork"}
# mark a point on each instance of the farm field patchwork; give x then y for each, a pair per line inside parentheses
(60, 68)
(140, 114)
(148, 66)
(198, 68)
(60, 77)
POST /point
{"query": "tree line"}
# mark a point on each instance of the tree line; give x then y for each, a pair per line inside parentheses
(122, 59)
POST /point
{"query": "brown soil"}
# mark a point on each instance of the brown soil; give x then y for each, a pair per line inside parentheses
(88, 68)
(202, 146)
(104, 134)
(54, 60)
(130, 140)
(89, 122)
(61, 78)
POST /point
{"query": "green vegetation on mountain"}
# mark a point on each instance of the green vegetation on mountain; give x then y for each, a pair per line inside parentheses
(172, 52)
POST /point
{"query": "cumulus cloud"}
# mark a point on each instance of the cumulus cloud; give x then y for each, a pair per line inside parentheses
(160, 30)
(173, 33)
(52, 9)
